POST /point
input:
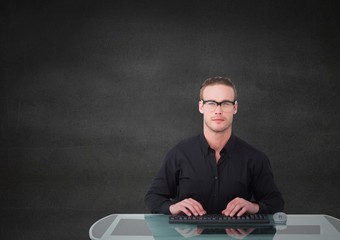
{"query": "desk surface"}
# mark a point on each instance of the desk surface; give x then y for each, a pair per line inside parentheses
(155, 226)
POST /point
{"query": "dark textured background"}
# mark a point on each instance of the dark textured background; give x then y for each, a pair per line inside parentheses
(93, 94)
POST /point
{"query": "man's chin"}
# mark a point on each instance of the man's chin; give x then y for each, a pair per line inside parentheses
(219, 129)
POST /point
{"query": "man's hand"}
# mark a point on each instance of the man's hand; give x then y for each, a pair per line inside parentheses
(240, 206)
(188, 206)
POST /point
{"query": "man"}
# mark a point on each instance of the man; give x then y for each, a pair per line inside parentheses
(215, 172)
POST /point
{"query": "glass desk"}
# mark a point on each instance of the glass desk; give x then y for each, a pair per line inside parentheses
(156, 227)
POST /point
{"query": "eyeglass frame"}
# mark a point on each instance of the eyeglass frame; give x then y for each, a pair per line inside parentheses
(219, 103)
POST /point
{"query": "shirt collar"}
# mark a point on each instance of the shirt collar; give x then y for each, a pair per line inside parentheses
(228, 148)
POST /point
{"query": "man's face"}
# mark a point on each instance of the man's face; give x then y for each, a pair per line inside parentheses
(218, 120)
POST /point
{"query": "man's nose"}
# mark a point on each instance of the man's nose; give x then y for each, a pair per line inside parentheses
(218, 109)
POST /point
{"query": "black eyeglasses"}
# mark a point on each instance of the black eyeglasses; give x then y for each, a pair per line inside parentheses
(212, 105)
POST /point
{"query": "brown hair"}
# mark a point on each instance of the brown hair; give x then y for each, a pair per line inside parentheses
(218, 80)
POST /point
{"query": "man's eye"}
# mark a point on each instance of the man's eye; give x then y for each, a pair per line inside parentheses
(226, 104)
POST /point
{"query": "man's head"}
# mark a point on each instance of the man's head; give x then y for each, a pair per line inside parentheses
(218, 104)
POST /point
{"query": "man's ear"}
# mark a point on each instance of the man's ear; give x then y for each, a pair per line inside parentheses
(235, 107)
(200, 107)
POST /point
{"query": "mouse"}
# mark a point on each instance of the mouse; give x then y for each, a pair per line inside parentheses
(280, 218)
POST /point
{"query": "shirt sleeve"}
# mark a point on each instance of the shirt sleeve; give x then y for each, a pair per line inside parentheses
(266, 193)
(163, 188)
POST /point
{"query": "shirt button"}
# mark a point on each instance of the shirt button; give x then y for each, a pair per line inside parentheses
(215, 177)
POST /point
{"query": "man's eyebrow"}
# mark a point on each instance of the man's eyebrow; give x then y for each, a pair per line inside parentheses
(224, 100)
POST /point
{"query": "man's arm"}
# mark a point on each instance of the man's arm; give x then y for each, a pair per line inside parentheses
(163, 187)
(266, 193)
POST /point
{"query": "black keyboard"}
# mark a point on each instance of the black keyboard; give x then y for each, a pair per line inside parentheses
(216, 219)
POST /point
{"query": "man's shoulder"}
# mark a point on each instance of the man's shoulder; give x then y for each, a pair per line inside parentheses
(188, 142)
(242, 143)
(246, 147)
(185, 147)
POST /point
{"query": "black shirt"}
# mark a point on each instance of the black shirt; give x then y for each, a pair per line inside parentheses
(190, 170)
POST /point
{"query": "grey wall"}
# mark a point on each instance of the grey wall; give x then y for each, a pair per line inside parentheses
(94, 94)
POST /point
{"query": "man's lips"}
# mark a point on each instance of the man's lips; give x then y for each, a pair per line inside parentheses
(218, 119)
